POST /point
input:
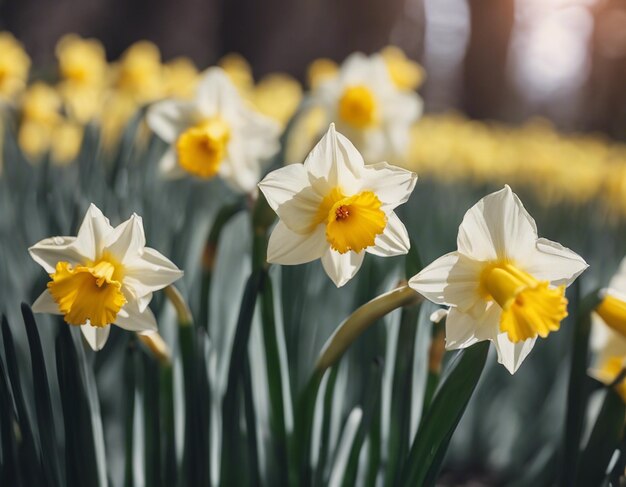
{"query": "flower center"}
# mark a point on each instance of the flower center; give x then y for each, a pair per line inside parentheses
(529, 307)
(202, 148)
(613, 313)
(357, 106)
(352, 222)
(89, 293)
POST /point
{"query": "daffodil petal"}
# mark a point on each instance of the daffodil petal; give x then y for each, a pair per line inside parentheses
(46, 304)
(132, 319)
(126, 240)
(49, 251)
(497, 227)
(281, 185)
(216, 94)
(289, 248)
(335, 159)
(149, 271)
(463, 329)
(96, 336)
(169, 167)
(168, 118)
(510, 354)
(393, 241)
(555, 263)
(452, 279)
(342, 267)
(92, 232)
(393, 185)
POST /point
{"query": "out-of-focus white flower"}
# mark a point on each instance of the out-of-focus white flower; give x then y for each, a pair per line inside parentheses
(503, 284)
(336, 208)
(215, 134)
(368, 107)
(608, 332)
(105, 275)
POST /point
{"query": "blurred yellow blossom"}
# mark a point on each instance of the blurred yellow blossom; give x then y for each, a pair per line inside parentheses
(67, 138)
(180, 78)
(139, 73)
(14, 65)
(277, 96)
(321, 70)
(81, 61)
(41, 103)
(405, 73)
(238, 70)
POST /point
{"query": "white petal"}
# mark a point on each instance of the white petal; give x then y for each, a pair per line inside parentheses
(45, 304)
(216, 94)
(289, 248)
(464, 329)
(51, 250)
(393, 241)
(147, 272)
(550, 261)
(96, 336)
(132, 319)
(510, 354)
(168, 118)
(497, 227)
(342, 267)
(127, 240)
(452, 279)
(283, 184)
(617, 285)
(392, 185)
(300, 213)
(92, 232)
(335, 159)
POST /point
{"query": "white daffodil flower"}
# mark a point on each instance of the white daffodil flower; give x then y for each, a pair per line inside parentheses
(608, 332)
(336, 208)
(217, 134)
(105, 275)
(369, 108)
(503, 284)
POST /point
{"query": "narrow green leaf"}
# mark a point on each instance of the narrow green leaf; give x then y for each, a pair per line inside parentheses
(254, 475)
(443, 416)
(80, 456)
(29, 456)
(329, 392)
(203, 399)
(9, 471)
(231, 406)
(275, 383)
(129, 412)
(604, 440)
(43, 405)
(577, 396)
(303, 428)
(187, 350)
(369, 410)
(168, 455)
(151, 419)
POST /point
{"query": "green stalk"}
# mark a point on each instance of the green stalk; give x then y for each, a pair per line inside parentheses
(274, 377)
(129, 410)
(327, 413)
(577, 396)
(168, 445)
(251, 436)
(151, 418)
(209, 257)
(303, 428)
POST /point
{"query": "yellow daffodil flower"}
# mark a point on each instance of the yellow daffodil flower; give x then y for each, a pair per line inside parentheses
(336, 208)
(503, 284)
(105, 275)
(14, 66)
(405, 74)
(215, 134)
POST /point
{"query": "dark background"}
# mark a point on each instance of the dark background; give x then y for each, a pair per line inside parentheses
(467, 46)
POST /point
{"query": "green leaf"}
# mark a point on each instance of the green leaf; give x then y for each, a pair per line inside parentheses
(604, 440)
(9, 472)
(129, 412)
(577, 395)
(80, 455)
(43, 406)
(28, 454)
(434, 434)
(275, 382)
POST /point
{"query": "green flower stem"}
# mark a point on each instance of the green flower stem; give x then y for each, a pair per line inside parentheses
(361, 320)
(274, 377)
(129, 412)
(303, 428)
(210, 254)
(577, 396)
